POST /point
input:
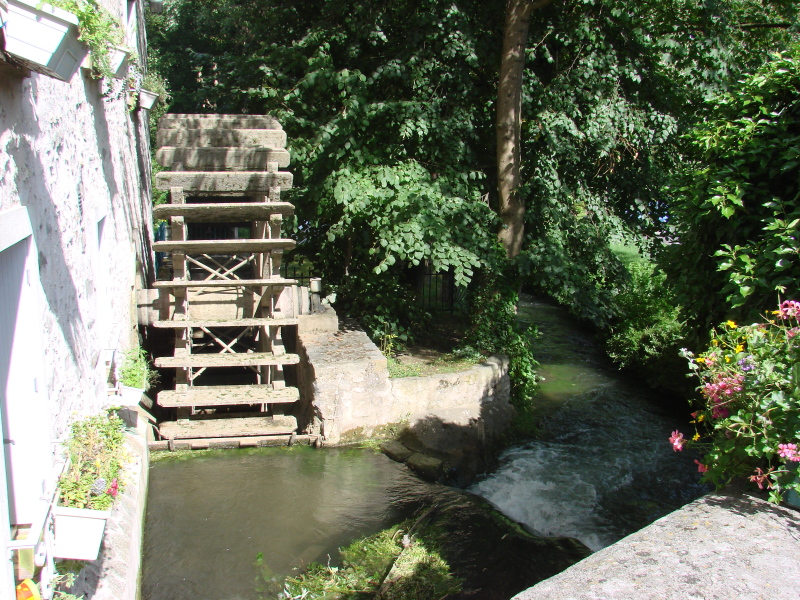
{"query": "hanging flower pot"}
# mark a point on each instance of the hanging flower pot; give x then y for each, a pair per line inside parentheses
(44, 39)
(78, 532)
(147, 99)
(117, 60)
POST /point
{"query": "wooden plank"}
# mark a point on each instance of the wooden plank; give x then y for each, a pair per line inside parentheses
(246, 322)
(227, 428)
(229, 394)
(224, 182)
(223, 246)
(223, 212)
(184, 136)
(202, 121)
(225, 283)
(249, 359)
(220, 159)
(257, 441)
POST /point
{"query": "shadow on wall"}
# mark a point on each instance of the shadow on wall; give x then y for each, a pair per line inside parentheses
(59, 287)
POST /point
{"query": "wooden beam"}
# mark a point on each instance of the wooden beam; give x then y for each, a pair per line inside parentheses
(206, 121)
(224, 182)
(223, 246)
(225, 283)
(249, 359)
(246, 322)
(226, 395)
(224, 212)
(231, 427)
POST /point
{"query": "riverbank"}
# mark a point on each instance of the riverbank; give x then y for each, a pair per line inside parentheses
(729, 544)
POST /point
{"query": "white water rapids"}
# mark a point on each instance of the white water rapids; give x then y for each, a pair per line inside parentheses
(602, 466)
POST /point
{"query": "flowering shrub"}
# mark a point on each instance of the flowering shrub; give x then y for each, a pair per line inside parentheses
(96, 453)
(748, 423)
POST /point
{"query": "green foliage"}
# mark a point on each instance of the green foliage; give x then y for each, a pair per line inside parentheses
(99, 30)
(749, 416)
(420, 571)
(389, 111)
(494, 329)
(609, 87)
(649, 328)
(96, 453)
(736, 213)
(136, 370)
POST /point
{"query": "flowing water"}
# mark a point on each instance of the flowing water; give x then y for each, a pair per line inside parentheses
(602, 466)
(219, 523)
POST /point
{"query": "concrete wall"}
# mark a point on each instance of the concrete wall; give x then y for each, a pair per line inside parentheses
(346, 391)
(75, 225)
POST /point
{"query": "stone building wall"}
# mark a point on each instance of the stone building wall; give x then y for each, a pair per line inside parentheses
(75, 231)
(76, 159)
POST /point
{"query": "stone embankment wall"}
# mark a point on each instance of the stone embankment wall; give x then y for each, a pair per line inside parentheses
(346, 392)
(724, 545)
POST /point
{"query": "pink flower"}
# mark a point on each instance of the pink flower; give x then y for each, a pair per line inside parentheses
(789, 452)
(701, 468)
(114, 489)
(677, 440)
(789, 309)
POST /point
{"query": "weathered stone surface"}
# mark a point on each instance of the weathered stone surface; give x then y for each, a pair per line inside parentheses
(227, 212)
(264, 138)
(721, 546)
(220, 159)
(396, 451)
(219, 182)
(425, 466)
(346, 386)
(204, 121)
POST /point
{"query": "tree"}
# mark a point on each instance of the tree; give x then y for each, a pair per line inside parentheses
(509, 123)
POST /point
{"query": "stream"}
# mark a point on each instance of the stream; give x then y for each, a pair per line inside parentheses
(219, 523)
(601, 467)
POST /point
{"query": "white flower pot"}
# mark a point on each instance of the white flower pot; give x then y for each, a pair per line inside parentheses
(78, 532)
(130, 395)
(117, 60)
(147, 99)
(44, 39)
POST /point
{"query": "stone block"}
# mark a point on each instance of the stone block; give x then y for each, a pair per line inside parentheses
(396, 451)
(425, 466)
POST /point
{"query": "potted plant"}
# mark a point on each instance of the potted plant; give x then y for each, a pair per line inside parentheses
(44, 38)
(101, 32)
(153, 89)
(136, 376)
(89, 486)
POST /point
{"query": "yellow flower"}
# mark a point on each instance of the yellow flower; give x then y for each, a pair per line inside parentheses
(731, 324)
(739, 348)
(700, 418)
(696, 437)
(700, 359)
(727, 359)
(715, 342)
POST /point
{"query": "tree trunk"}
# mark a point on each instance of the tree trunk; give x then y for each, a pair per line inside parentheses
(509, 123)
